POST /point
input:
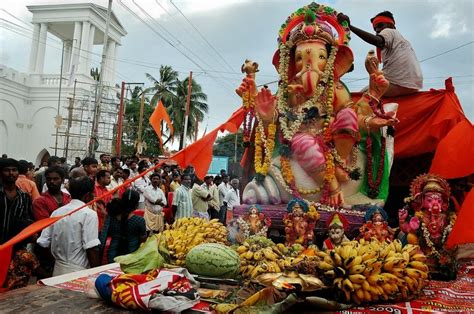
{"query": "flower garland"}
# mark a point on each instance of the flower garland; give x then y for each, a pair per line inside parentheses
(325, 85)
(429, 243)
(324, 90)
(262, 165)
(374, 186)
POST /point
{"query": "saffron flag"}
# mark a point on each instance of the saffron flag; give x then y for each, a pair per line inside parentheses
(454, 154)
(462, 230)
(160, 114)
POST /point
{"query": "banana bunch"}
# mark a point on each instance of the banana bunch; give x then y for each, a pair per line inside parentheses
(186, 233)
(258, 257)
(369, 271)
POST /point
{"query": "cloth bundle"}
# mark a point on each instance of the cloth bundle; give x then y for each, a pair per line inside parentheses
(165, 290)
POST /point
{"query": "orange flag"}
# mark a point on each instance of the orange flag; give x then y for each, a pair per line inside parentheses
(462, 230)
(160, 114)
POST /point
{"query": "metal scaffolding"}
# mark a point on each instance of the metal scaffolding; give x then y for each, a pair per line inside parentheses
(76, 127)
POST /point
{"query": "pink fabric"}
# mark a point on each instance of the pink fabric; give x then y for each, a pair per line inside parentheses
(346, 119)
(308, 151)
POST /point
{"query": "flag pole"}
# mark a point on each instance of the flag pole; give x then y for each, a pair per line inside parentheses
(186, 117)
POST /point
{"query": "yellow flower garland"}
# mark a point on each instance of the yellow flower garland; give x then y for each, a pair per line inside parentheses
(262, 166)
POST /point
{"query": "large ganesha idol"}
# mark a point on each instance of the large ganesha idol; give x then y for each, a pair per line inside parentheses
(427, 220)
(307, 139)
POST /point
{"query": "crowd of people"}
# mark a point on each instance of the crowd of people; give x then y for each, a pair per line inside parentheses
(114, 225)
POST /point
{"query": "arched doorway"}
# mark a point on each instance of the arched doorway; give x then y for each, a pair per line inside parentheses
(42, 156)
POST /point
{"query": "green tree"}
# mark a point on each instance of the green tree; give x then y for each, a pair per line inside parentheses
(225, 146)
(176, 108)
(164, 88)
(131, 123)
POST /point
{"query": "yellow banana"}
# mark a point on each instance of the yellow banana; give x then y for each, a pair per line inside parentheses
(242, 249)
(357, 269)
(413, 273)
(367, 296)
(366, 285)
(399, 272)
(336, 258)
(369, 255)
(325, 266)
(348, 285)
(248, 255)
(330, 274)
(419, 257)
(269, 255)
(375, 279)
(356, 261)
(358, 279)
(411, 249)
(388, 277)
(258, 256)
(390, 263)
(418, 265)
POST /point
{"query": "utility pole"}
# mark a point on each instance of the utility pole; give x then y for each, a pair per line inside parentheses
(182, 143)
(69, 120)
(118, 144)
(58, 119)
(138, 143)
(95, 122)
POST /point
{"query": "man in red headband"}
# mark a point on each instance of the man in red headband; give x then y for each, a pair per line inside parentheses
(400, 65)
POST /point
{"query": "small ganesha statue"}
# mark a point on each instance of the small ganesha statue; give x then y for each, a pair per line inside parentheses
(255, 222)
(376, 225)
(337, 225)
(300, 222)
(427, 220)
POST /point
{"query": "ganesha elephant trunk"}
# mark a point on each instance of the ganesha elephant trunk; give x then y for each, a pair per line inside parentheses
(309, 79)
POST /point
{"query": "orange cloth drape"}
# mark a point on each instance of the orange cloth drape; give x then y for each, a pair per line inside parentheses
(160, 114)
(462, 231)
(198, 154)
(454, 157)
(425, 118)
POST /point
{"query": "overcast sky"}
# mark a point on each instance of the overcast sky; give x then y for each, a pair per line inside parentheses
(220, 35)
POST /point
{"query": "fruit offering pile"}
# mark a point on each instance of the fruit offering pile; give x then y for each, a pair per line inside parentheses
(364, 272)
(260, 255)
(186, 233)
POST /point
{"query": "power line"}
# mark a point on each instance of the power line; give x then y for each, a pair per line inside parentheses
(447, 51)
(166, 40)
(201, 35)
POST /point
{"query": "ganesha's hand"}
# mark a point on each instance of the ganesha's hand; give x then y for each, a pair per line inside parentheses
(378, 84)
(377, 123)
(248, 84)
(414, 223)
(265, 104)
(371, 62)
(402, 215)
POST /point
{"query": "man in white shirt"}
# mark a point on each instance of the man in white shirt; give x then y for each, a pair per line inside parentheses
(223, 188)
(74, 239)
(155, 200)
(116, 181)
(213, 204)
(140, 185)
(232, 198)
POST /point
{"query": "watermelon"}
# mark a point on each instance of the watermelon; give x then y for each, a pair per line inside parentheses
(213, 260)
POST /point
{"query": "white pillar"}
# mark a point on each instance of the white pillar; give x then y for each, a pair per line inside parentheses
(76, 42)
(110, 62)
(84, 51)
(67, 55)
(41, 48)
(91, 47)
(34, 48)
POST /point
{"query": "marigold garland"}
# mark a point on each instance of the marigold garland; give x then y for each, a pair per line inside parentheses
(268, 142)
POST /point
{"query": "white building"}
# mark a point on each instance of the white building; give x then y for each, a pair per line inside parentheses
(29, 101)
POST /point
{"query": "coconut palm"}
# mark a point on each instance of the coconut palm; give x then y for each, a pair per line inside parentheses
(165, 88)
(177, 107)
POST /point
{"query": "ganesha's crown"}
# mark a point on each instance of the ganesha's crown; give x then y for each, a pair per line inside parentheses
(310, 29)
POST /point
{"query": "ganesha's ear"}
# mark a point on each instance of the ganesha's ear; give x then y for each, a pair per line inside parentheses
(276, 59)
(343, 62)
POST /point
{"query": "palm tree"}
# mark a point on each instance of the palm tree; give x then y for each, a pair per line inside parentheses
(164, 89)
(177, 108)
